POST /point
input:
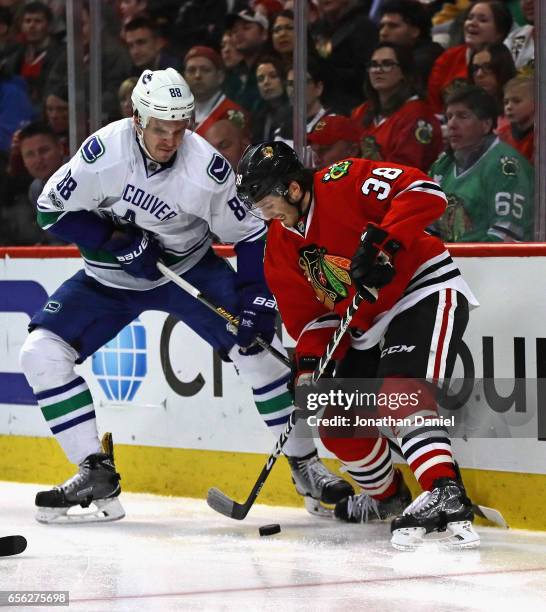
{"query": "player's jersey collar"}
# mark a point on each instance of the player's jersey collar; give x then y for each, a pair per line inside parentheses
(304, 223)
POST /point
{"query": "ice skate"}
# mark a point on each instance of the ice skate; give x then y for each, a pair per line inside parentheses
(96, 483)
(317, 484)
(364, 509)
(445, 513)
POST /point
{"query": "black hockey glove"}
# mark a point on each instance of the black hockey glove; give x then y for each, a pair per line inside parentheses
(137, 251)
(371, 265)
(257, 316)
(303, 367)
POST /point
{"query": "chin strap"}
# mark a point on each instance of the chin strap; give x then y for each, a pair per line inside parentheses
(140, 138)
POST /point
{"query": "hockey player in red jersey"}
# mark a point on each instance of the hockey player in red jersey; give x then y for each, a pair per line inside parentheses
(356, 224)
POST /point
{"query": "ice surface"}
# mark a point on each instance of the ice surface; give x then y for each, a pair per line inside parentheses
(178, 554)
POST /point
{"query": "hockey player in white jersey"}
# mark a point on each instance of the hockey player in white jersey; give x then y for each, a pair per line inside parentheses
(138, 191)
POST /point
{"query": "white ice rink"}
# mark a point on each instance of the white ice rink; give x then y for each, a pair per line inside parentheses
(177, 554)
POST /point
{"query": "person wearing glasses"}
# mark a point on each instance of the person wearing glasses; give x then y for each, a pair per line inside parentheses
(491, 68)
(396, 124)
(486, 22)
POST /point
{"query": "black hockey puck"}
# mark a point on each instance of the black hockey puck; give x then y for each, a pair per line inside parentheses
(266, 530)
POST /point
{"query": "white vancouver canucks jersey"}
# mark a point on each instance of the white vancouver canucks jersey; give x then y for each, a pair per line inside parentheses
(181, 203)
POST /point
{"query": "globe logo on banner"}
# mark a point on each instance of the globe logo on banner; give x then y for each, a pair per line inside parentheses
(120, 365)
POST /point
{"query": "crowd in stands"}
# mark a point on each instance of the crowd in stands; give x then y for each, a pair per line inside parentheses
(445, 86)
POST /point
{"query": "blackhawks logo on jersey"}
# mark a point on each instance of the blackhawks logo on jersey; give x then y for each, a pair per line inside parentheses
(509, 165)
(423, 132)
(337, 171)
(455, 222)
(328, 274)
(370, 148)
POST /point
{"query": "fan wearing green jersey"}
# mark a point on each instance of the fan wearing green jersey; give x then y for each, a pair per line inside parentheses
(489, 185)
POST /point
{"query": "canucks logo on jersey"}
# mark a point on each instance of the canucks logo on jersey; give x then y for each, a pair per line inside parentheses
(121, 365)
(328, 274)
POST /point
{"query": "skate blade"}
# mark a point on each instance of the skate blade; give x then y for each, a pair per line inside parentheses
(315, 507)
(105, 510)
(458, 535)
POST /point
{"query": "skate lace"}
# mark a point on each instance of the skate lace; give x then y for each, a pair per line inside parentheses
(361, 506)
(422, 502)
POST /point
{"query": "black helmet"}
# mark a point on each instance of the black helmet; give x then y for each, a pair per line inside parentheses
(264, 169)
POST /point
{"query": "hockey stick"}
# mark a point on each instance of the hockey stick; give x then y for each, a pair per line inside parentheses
(12, 545)
(223, 504)
(222, 312)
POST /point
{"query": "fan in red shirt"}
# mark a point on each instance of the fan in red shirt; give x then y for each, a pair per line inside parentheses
(486, 22)
(361, 223)
(396, 124)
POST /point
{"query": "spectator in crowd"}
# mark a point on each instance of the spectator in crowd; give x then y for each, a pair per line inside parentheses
(270, 79)
(519, 111)
(489, 185)
(334, 138)
(345, 37)
(268, 8)
(124, 96)
(491, 68)
(7, 44)
(249, 33)
(407, 23)
(129, 9)
(42, 155)
(521, 41)
(146, 47)
(231, 58)
(16, 109)
(204, 72)
(282, 37)
(56, 115)
(201, 22)
(229, 138)
(396, 124)
(486, 22)
(35, 57)
(315, 110)
(115, 63)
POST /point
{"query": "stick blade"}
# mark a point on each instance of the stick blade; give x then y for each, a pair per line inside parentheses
(12, 545)
(221, 503)
(490, 514)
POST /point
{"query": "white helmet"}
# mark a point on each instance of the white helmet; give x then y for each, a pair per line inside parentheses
(162, 94)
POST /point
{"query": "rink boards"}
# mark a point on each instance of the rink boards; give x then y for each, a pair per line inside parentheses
(183, 421)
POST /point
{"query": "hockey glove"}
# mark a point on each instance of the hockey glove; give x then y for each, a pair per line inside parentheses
(303, 367)
(137, 251)
(257, 316)
(371, 265)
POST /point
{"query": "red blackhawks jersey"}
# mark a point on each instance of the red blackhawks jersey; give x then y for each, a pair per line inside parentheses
(450, 70)
(411, 135)
(307, 267)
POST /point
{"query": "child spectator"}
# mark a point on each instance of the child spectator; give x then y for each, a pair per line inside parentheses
(395, 124)
(124, 96)
(519, 110)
